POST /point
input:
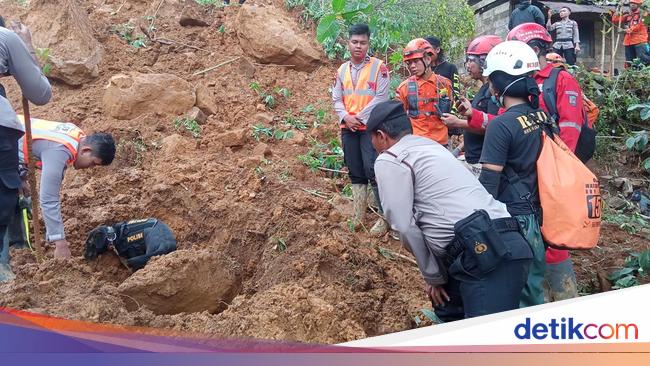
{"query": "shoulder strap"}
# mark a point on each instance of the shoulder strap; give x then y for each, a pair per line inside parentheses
(401, 160)
(549, 93)
(412, 96)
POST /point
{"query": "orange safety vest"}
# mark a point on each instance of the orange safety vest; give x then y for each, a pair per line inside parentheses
(355, 98)
(65, 133)
(420, 98)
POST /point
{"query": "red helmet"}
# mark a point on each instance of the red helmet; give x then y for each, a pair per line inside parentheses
(638, 2)
(529, 31)
(417, 48)
(482, 45)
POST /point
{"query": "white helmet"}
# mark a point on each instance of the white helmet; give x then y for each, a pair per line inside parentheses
(512, 57)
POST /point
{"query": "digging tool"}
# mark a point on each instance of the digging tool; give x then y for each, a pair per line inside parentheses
(31, 178)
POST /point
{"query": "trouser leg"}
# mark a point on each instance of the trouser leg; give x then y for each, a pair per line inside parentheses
(533, 293)
(630, 54)
(352, 155)
(570, 56)
(641, 51)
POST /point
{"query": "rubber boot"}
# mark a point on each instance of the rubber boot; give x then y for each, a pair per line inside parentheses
(359, 197)
(380, 228)
(560, 281)
(6, 274)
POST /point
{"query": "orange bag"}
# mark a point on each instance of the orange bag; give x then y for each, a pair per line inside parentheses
(570, 197)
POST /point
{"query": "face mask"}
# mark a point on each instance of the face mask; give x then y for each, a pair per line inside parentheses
(496, 101)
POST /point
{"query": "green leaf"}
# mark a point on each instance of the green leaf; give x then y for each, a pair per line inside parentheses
(328, 27)
(629, 143)
(644, 261)
(338, 5)
(636, 106)
(645, 113)
(620, 273)
(646, 165)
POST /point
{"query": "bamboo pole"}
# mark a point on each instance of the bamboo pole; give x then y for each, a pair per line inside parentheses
(31, 177)
(603, 34)
(618, 38)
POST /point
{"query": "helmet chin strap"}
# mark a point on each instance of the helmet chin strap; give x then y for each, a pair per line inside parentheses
(503, 94)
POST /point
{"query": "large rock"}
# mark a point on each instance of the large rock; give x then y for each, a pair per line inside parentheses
(128, 96)
(269, 36)
(184, 281)
(74, 53)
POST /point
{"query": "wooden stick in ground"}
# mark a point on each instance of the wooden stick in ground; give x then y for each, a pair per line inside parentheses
(616, 31)
(31, 176)
(216, 66)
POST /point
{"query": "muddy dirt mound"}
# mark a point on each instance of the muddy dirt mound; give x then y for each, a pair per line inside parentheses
(270, 36)
(289, 312)
(66, 31)
(129, 96)
(184, 281)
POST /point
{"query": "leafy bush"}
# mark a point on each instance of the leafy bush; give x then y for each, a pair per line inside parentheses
(636, 265)
(393, 23)
(188, 125)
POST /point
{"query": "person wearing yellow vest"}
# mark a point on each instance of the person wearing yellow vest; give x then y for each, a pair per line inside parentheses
(360, 85)
(422, 93)
(57, 145)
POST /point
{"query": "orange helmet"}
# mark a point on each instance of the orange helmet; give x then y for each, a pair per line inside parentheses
(554, 57)
(638, 2)
(417, 48)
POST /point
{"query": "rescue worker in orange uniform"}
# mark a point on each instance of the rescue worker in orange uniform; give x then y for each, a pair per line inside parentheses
(636, 33)
(422, 93)
(57, 145)
(360, 85)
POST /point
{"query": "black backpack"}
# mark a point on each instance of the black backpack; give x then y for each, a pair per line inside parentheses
(586, 146)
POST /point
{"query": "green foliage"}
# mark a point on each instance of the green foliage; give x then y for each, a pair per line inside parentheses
(293, 121)
(208, 2)
(617, 98)
(261, 132)
(637, 142)
(393, 23)
(222, 29)
(319, 113)
(268, 98)
(188, 125)
(280, 244)
(645, 110)
(132, 150)
(125, 31)
(347, 190)
(43, 55)
(324, 155)
(636, 266)
(631, 223)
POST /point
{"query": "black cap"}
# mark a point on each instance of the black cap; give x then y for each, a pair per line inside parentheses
(434, 41)
(385, 111)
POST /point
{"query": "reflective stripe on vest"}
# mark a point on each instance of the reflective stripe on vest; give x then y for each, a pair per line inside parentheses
(356, 98)
(428, 104)
(66, 134)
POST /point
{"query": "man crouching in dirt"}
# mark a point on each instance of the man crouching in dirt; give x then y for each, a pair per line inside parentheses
(57, 145)
(470, 252)
(133, 241)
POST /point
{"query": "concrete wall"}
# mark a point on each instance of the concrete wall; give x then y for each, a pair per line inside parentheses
(495, 21)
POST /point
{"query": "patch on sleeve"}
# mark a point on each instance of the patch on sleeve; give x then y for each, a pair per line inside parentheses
(573, 100)
(384, 71)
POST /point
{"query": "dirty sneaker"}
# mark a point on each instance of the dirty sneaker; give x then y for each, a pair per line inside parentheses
(6, 274)
(379, 229)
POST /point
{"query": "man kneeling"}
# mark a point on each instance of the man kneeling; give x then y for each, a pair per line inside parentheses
(470, 252)
(133, 241)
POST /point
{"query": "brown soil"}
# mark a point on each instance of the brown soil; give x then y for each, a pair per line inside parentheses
(329, 285)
